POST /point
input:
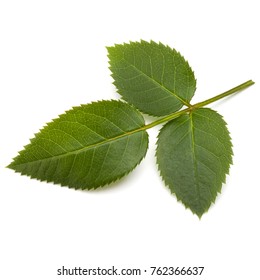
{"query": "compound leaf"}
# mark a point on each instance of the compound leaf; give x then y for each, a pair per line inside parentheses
(194, 153)
(153, 77)
(89, 146)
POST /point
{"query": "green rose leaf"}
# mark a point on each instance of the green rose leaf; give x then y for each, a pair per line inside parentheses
(87, 147)
(153, 77)
(194, 153)
(95, 144)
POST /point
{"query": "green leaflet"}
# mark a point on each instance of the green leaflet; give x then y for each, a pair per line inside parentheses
(194, 153)
(95, 144)
(154, 78)
(87, 147)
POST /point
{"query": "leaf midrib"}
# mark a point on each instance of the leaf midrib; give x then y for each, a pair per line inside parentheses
(194, 157)
(95, 145)
(159, 84)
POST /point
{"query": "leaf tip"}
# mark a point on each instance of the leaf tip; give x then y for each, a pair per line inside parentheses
(13, 163)
(10, 166)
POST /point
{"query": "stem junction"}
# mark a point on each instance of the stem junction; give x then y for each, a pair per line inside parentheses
(198, 105)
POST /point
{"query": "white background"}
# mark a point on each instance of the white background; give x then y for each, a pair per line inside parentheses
(53, 57)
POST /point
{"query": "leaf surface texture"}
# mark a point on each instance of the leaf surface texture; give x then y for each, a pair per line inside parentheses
(87, 147)
(194, 153)
(153, 77)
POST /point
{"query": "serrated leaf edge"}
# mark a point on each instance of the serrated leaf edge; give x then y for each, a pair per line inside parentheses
(184, 103)
(66, 185)
(223, 181)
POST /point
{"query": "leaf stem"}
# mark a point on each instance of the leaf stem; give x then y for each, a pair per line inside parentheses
(198, 105)
(224, 94)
